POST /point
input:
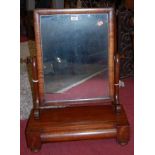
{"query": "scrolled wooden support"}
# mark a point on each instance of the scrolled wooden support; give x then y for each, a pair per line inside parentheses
(116, 84)
(33, 62)
(35, 82)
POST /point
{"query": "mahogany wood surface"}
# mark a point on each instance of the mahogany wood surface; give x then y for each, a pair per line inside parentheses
(116, 85)
(35, 87)
(105, 118)
(77, 123)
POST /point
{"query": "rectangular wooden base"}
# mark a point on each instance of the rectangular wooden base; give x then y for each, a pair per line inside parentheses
(76, 123)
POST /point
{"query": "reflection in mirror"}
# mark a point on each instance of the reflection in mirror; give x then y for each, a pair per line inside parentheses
(75, 56)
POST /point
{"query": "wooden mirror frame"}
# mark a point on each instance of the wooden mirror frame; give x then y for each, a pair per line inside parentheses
(41, 102)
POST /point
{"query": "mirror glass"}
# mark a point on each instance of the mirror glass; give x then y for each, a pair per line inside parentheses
(75, 56)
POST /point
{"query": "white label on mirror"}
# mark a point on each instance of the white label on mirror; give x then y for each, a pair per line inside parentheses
(74, 18)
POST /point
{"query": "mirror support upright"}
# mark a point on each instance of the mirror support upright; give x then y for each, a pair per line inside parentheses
(116, 83)
(35, 82)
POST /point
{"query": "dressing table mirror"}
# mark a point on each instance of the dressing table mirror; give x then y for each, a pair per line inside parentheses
(75, 77)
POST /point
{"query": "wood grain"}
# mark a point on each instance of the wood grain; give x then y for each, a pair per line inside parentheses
(81, 121)
(78, 123)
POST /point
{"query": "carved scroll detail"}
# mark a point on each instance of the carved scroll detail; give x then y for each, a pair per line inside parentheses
(126, 42)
